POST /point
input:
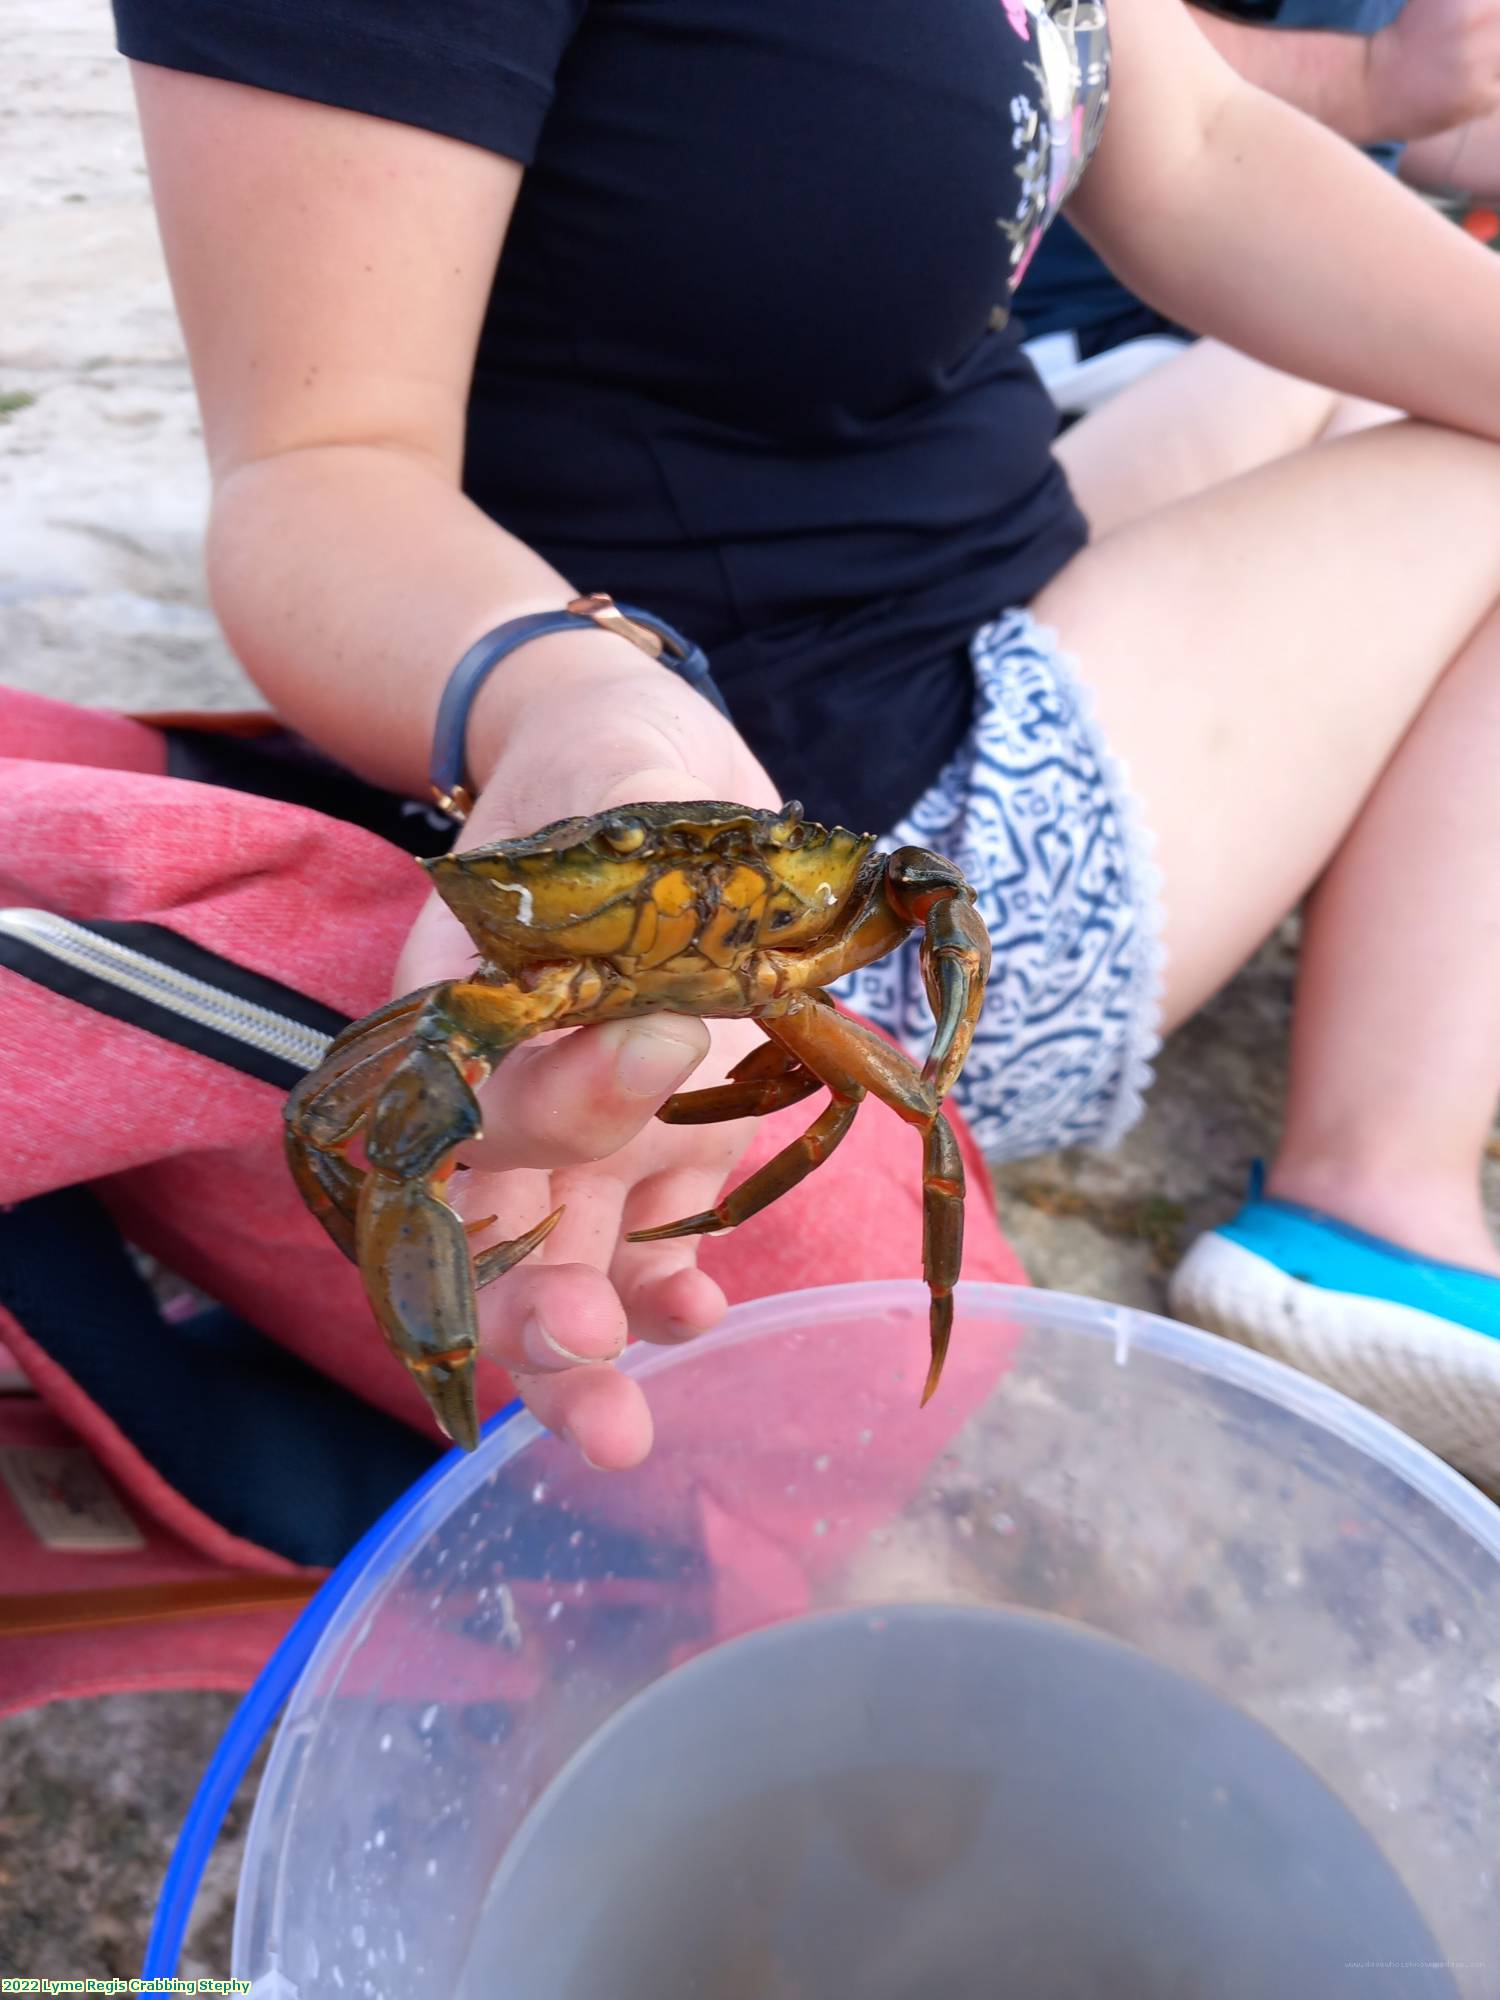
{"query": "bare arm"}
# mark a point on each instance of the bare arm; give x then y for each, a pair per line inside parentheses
(1436, 65)
(1236, 215)
(1326, 75)
(331, 273)
(1465, 161)
(332, 326)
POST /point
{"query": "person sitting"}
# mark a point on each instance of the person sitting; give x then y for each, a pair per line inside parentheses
(1425, 70)
(1416, 86)
(705, 305)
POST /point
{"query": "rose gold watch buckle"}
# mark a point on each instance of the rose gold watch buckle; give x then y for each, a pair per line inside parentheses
(601, 607)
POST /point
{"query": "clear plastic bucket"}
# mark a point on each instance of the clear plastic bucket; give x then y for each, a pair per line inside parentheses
(1134, 1663)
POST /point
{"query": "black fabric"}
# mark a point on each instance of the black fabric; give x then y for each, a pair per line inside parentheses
(480, 70)
(31, 961)
(282, 765)
(739, 365)
(1135, 322)
(261, 1443)
(254, 1438)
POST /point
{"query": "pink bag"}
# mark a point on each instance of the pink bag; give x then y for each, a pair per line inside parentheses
(173, 955)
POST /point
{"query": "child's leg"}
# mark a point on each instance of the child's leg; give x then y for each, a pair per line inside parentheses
(1204, 417)
(1396, 1036)
(1301, 671)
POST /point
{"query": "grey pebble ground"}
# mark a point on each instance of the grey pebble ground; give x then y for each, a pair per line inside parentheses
(101, 501)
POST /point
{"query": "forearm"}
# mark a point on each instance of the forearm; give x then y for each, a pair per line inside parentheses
(349, 579)
(1464, 161)
(1363, 288)
(1324, 74)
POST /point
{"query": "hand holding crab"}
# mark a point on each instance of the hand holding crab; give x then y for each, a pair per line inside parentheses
(707, 909)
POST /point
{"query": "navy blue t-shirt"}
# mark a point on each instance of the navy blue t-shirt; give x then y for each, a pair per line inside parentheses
(746, 361)
(1068, 287)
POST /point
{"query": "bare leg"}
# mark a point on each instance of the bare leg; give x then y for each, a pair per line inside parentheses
(1204, 417)
(1301, 670)
(1391, 1097)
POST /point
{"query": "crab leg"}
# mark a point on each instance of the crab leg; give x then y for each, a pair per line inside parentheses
(851, 1060)
(414, 1257)
(329, 1185)
(328, 1104)
(768, 1079)
(780, 1174)
(823, 1038)
(955, 966)
(916, 888)
(325, 1110)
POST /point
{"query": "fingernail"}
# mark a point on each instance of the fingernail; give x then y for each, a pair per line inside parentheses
(649, 1064)
(543, 1351)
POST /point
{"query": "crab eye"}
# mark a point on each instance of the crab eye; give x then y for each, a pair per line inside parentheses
(623, 837)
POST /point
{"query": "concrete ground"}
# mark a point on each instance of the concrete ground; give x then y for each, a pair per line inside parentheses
(102, 494)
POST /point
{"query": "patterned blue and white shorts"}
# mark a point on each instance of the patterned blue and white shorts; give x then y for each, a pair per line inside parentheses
(1037, 813)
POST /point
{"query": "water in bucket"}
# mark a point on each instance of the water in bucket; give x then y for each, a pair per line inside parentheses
(1133, 1666)
(942, 1801)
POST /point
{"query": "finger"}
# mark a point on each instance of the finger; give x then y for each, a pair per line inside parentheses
(592, 1201)
(600, 1412)
(507, 1204)
(542, 1317)
(669, 1307)
(500, 1207)
(545, 1318)
(665, 1296)
(586, 1095)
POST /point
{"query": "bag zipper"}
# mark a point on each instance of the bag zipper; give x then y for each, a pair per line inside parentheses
(132, 971)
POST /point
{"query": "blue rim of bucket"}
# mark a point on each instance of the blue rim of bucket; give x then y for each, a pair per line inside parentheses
(256, 1713)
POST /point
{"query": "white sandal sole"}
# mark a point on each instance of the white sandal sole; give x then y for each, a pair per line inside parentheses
(1438, 1382)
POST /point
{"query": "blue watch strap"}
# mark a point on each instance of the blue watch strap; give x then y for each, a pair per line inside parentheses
(448, 773)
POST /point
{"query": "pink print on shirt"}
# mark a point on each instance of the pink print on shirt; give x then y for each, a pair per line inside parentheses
(1015, 13)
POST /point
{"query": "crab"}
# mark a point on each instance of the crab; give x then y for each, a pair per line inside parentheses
(704, 908)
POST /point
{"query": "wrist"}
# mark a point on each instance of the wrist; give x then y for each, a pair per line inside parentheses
(561, 667)
(464, 756)
(1383, 113)
(1413, 93)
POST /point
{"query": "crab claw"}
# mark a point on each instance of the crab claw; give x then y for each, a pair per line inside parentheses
(414, 1259)
(955, 966)
(413, 1249)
